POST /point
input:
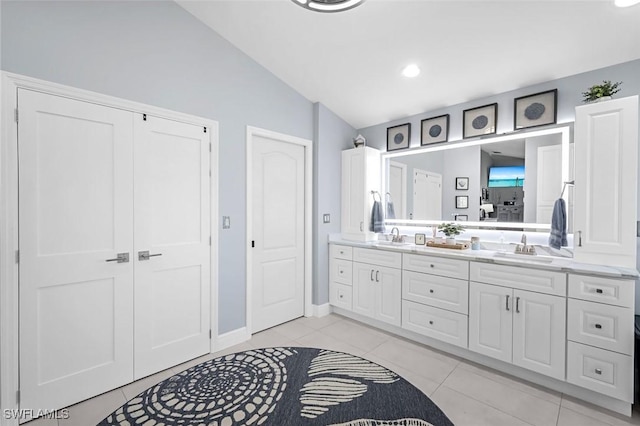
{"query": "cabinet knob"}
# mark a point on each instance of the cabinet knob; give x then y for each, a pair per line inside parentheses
(599, 290)
(432, 265)
(341, 271)
(598, 326)
(341, 252)
(430, 290)
(598, 371)
(430, 322)
(341, 296)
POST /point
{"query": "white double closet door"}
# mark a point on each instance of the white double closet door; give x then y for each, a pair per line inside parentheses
(97, 184)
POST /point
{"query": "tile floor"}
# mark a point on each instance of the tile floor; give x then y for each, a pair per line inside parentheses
(469, 394)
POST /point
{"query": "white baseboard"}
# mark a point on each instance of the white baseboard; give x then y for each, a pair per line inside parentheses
(321, 310)
(232, 338)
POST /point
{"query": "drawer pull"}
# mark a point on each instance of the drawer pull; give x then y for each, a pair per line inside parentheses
(598, 326)
(341, 271)
(599, 290)
(598, 371)
(341, 296)
(430, 322)
(432, 265)
(430, 290)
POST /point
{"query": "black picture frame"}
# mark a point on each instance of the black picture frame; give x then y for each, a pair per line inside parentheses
(462, 201)
(480, 121)
(434, 130)
(398, 137)
(538, 109)
(462, 183)
(461, 217)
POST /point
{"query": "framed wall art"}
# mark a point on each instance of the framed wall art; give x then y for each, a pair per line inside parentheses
(535, 110)
(462, 217)
(398, 137)
(434, 130)
(462, 202)
(462, 183)
(479, 121)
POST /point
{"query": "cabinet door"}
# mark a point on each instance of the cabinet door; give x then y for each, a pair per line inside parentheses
(353, 202)
(606, 137)
(490, 320)
(364, 289)
(389, 303)
(539, 332)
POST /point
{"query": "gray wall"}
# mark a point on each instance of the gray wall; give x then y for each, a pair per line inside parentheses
(332, 136)
(569, 96)
(159, 54)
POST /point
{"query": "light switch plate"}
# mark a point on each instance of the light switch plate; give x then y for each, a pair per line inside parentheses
(326, 218)
(226, 222)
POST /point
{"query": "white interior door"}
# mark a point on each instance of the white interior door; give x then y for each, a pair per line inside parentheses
(278, 240)
(427, 195)
(76, 204)
(172, 224)
(398, 189)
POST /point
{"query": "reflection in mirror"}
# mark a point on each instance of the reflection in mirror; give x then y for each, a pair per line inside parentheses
(510, 179)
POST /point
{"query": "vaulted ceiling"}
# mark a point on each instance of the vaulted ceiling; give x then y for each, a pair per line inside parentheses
(352, 61)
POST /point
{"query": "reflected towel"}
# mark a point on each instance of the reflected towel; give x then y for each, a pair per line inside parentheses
(391, 212)
(558, 235)
(377, 218)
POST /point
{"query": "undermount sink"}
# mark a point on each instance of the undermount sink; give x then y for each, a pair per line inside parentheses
(525, 257)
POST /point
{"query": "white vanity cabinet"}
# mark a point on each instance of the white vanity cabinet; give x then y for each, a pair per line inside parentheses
(600, 332)
(435, 297)
(360, 176)
(377, 284)
(606, 139)
(509, 322)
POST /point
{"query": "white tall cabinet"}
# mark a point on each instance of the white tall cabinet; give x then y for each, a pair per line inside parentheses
(606, 155)
(360, 176)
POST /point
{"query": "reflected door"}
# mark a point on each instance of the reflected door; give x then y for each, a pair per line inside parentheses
(397, 193)
(75, 212)
(427, 195)
(172, 290)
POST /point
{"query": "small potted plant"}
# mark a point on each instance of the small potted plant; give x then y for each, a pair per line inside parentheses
(601, 92)
(450, 230)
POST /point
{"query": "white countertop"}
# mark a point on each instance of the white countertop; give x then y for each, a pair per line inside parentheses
(552, 263)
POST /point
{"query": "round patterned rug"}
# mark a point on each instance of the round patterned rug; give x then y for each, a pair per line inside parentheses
(282, 386)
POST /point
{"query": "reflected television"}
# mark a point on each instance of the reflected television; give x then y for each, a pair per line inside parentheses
(506, 176)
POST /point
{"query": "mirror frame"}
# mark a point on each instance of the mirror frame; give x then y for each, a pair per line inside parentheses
(564, 130)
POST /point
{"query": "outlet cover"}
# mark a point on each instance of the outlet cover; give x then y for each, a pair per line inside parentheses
(226, 222)
(326, 218)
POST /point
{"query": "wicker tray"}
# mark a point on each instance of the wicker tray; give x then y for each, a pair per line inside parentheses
(456, 246)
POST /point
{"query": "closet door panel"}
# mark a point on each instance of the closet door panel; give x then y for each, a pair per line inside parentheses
(172, 283)
(75, 212)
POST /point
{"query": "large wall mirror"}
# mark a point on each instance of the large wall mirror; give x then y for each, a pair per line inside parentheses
(508, 181)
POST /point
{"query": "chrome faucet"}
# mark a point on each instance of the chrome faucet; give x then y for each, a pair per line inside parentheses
(396, 235)
(524, 248)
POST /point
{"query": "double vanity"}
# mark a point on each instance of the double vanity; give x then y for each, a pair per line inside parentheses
(566, 323)
(553, 321)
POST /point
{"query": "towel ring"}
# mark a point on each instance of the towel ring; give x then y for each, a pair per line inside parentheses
(374, 196)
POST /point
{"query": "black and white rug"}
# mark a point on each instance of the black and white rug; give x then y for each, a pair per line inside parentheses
(282, 386)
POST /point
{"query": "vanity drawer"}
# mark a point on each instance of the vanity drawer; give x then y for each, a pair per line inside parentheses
(452, 268)
(341, 252)
(442, 292)
(601, 371)
(340, 295)
(437, 323)
(603, 290)
(341, 271)
(537, 280)
(605, 326)
(378, 257)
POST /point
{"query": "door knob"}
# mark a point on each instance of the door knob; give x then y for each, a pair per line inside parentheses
(144, 255)
(121, 258)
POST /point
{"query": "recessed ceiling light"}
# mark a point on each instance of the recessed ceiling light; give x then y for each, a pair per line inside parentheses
(411, 71)
(626, 3)
(328, 5)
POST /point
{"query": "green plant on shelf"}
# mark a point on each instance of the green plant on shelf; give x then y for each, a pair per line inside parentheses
(598, 91)
(450, 229)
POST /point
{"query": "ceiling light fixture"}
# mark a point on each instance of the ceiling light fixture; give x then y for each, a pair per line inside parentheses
(626, 3)
(328, 5)
(411, 71)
